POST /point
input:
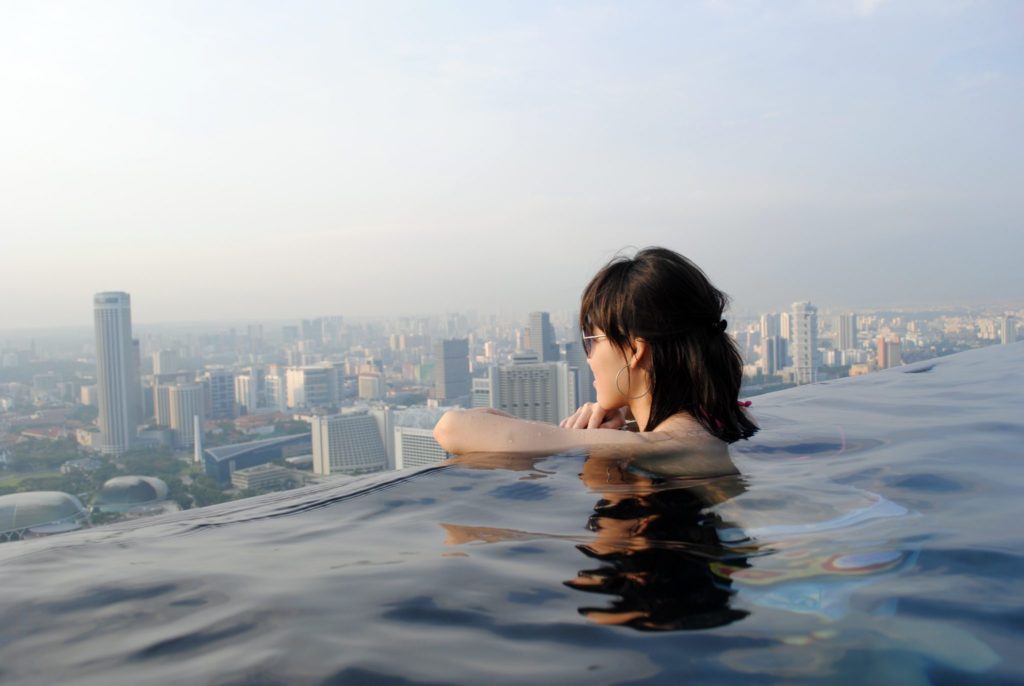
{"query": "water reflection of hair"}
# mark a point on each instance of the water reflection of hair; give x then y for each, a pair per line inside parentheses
(661, 572)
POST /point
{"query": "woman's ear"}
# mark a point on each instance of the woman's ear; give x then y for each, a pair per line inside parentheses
(640, 352)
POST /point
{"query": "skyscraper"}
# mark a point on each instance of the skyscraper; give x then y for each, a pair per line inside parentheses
(576, 358)
(1008, 330)
(165, 361)
(451, 371)
(186, 403)
(773, 355)
(220, 393)
(769, 325)
(847, 327)
(804, 341)
(542, 337)
(890, 352)
(309, 386)
(117, 381)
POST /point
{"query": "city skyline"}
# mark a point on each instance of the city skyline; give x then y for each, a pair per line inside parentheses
(371, 160)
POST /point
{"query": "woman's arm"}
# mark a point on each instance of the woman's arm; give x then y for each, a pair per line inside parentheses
(471, 431)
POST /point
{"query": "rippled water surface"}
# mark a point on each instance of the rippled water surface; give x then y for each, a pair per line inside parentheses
(872, 537)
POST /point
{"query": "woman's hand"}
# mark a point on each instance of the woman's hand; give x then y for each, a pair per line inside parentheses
(593, 416)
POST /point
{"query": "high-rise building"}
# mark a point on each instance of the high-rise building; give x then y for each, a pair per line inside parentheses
(785, 325)
(890, 352)
(186, 403)
(576, 358)
(1008, 330)
(220, 394)
(309, 386)
(803, 338)
(313, 330)
(117, 379)
(541, 391)
(847, 329)
(371, 386)
(542, 337)
(451, 371)
(769, 325)
(773, 355)
(347, 444)
(166, 362)
(481, 392)
(139, 399)
(276, 385)
(249, 389)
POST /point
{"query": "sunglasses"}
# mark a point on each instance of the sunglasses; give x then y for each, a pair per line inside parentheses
(588, 346)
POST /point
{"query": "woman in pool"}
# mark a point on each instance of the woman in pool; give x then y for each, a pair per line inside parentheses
(655, 340)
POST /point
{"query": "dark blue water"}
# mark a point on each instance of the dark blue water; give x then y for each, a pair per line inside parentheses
(872, 536)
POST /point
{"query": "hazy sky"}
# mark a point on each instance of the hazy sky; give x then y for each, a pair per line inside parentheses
(246, 160)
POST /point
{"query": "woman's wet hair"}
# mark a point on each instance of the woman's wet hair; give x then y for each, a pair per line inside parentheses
(662, 297)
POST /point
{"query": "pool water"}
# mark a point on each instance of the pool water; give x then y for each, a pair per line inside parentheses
(869, 537)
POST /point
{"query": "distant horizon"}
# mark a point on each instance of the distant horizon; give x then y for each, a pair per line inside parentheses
(223, 324)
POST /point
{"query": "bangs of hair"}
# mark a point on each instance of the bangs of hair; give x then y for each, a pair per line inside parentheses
(605, 302)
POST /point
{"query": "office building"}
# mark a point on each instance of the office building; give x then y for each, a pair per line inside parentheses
(371, 386)
(1008, 330)
(219, 385)
(166, 362)
(451, 371)
(276, 385)
(186, 401)
(347, 444)
(117, 378)
(846, 327)
(890, 352)
(769, 326)
(309, 386)
(267, 476)
(541, 391)
(773, 355)
(541, 337)
(224, 460)
(803, 339)
(249, 389)
(481, 392)
(576, 358)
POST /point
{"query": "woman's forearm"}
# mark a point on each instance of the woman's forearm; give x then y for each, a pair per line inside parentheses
(471, 431)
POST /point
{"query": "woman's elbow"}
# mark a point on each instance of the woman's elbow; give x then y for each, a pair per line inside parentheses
(443, 432)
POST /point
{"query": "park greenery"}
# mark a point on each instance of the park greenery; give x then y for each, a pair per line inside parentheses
(34, 465)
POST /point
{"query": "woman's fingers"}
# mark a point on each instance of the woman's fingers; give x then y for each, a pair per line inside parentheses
(614, 420)
(593, 416)
(596, 417)
(578, 419)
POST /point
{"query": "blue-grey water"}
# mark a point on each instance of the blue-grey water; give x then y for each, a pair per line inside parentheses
(872, 536)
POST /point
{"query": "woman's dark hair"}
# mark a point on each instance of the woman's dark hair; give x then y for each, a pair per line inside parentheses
(665, 299)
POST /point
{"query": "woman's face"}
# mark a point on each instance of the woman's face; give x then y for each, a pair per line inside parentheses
(605, 362)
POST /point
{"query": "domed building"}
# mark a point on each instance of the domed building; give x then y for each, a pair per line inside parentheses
(134, 495)
(39, 513)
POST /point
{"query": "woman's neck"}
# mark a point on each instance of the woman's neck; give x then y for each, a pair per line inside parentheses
(640, 408)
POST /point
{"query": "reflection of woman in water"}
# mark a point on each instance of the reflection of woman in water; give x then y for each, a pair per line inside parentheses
(655, 340)
(655, 544)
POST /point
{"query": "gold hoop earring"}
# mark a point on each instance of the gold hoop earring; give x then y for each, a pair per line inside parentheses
(623, 393)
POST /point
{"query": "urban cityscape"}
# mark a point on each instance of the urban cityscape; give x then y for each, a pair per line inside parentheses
(127, 425)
